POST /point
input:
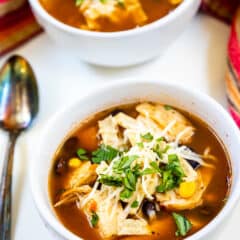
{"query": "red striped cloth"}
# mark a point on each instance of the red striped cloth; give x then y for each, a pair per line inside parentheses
(17, 24)
(233, 74)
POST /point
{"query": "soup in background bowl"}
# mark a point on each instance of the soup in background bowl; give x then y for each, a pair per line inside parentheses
(174, 187)
(109, 15)
(108, 46)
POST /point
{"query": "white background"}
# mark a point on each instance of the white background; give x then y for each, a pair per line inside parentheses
(197, 59)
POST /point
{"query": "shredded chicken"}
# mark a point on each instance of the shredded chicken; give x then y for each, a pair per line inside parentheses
(116, 12)
(85, 174)
(163, 116)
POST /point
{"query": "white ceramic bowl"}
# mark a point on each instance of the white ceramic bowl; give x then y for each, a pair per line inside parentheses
(118, 48)
(126, 92)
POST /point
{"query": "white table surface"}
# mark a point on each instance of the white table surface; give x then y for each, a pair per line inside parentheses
(197, 59)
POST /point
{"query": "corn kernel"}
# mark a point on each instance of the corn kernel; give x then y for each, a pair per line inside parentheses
(74, 163)
(187, 189)
(175, 2)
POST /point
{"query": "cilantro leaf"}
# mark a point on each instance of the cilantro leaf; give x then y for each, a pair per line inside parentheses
(125, 194)
(172, 174)
(147, 171)
(140, 145)
(160, 151)
(130, 180)
(135, 204)
(111, 180)
(82, 154)
(167, 107)
(183, 224)
(123, 163)
(104, 153)
(94, 219)
(148, 136)
(78, 3)
(121, 3)
(160, 139)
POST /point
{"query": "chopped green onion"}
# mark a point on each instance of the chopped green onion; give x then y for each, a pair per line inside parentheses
(125, 194)
(172, 174)
(135, 204)
(147, 137)
(140, 145)
(167, 107)
(160, 139)
(104, 153)
(78, 3)
(147, 171)
(183, 225)
(121, 3)
(111, 180)
(82, 154)
(94, 219)
(123, 163)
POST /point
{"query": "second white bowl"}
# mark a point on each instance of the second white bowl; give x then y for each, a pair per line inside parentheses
(118, 48)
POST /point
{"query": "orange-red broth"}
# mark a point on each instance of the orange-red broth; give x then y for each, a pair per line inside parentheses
(164, 227)
(67, 12)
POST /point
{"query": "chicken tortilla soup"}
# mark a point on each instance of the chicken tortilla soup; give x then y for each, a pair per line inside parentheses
(108, 15)
(142, 171)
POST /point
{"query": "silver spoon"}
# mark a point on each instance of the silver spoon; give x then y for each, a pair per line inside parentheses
(18, 107)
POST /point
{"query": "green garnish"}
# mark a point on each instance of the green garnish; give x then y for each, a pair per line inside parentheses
(154, 169)
(78, 3)
(82, 154)
(123, 163)
(147, 171)
(160, 151)
(136, 170)
(127, 161)
(155, 166)
(183, 225)
(140, 145)
(167, 107)
(125, 194)
(172, 174)
(94, 219)
(103, 1)
(135, 204)
(111, 180)
(121, 3)
(104, 153)
(160, 139)
(148, 137)
(130, 180)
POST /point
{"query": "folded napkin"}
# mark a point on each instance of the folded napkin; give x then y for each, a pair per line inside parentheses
(228, 10)
(17, 25)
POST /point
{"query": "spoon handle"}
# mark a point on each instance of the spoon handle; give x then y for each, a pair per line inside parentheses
(5, 190)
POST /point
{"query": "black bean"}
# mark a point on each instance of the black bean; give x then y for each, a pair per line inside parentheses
(149, 209)
(193, 163)
(115, 112)
(70, 144)
(61, 166)
(206, 210)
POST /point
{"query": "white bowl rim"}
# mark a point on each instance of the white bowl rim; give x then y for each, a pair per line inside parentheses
(59, 228)
(135, 31)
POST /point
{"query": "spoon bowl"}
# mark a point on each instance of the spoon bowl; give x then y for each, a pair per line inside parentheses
(18, 94)
(18, 107)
